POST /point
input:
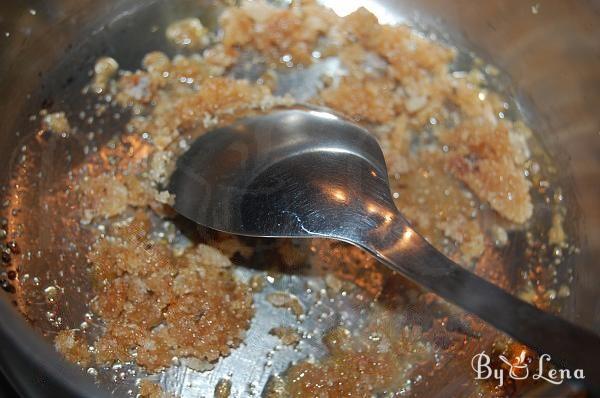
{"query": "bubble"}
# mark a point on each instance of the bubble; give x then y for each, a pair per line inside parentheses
(92, 372)
(51, 293)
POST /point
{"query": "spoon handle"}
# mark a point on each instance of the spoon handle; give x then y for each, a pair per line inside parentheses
(405, 251)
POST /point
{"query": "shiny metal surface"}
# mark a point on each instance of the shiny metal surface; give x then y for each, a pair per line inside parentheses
(292, 173)
(309, 173)
(551, 58)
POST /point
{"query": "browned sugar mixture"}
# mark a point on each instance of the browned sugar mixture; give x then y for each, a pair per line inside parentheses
(165, 306)
(158, 302)
(376, 361)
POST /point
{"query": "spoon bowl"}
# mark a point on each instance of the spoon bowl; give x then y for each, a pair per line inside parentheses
(264, 176)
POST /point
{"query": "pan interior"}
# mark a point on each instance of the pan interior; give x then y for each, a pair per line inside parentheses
(53, 287)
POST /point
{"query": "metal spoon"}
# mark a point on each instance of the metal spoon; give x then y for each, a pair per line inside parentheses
(308, 173)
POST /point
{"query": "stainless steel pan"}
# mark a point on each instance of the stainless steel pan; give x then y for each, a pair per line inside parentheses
(549, 52)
